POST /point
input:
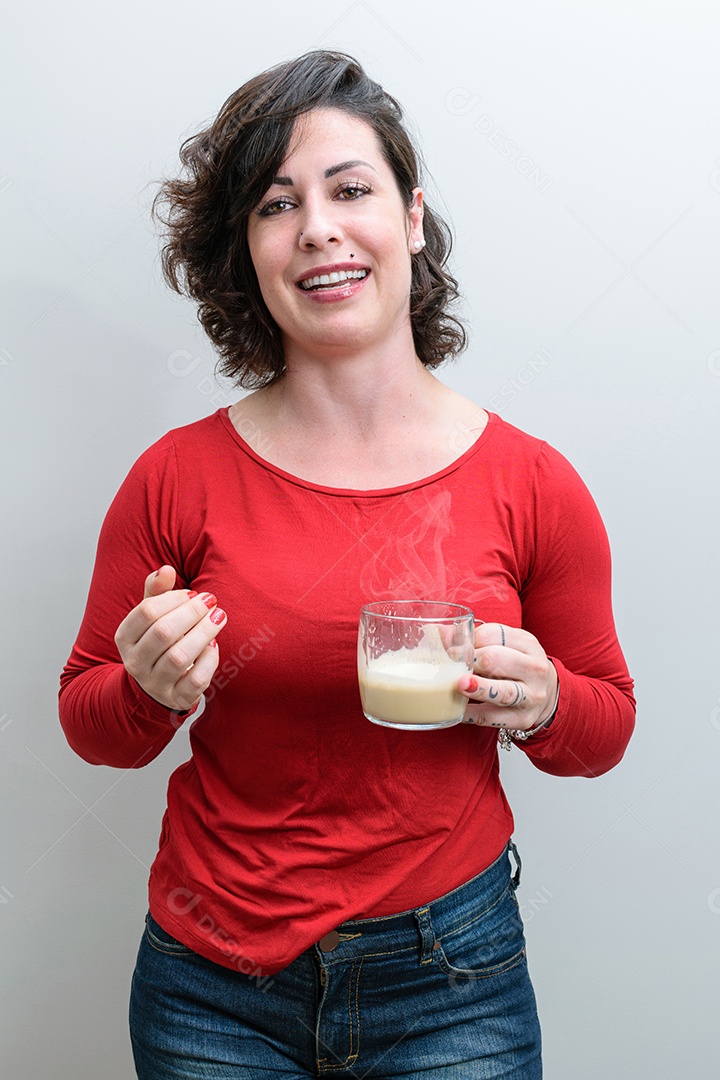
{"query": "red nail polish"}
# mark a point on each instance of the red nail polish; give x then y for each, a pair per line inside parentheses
(209, 600)
(217, 616)
(193, 592)
(213, 644)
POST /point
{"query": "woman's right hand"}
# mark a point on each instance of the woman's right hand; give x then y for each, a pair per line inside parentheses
(167, 643)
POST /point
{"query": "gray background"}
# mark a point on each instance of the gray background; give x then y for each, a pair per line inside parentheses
(576, 149)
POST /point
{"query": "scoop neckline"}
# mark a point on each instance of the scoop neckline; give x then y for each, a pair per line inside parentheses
(357, 493)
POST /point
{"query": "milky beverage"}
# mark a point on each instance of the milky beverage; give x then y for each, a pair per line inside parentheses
(413, 686)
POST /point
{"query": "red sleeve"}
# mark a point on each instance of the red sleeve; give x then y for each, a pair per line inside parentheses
(107, 717)
(567, 605)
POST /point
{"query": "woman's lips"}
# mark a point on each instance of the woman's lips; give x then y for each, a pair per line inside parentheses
(330, 294)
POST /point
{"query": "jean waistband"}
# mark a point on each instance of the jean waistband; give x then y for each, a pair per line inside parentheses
(421, 926)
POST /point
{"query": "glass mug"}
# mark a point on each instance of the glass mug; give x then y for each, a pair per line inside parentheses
(411, 654)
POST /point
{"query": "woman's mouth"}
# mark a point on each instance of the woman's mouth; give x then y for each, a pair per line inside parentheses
(329, 281)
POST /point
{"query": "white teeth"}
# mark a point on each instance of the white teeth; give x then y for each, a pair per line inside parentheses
(333, 278)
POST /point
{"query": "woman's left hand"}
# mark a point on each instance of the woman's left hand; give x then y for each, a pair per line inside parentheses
(514, 683)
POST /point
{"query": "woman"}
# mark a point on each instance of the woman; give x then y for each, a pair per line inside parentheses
(332, 896)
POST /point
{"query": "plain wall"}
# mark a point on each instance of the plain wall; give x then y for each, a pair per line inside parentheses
(575, 148)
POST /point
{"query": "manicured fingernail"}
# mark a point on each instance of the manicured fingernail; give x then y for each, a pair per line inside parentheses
(193, 592)
(217, 616)
(469, 684)
(208, 599)
(213, 643)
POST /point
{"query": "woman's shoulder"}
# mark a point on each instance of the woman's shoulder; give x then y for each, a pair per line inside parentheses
(186, 438)
(197, 432)
(181, 449)
(531, 455)
(512, 443)
(522, 440)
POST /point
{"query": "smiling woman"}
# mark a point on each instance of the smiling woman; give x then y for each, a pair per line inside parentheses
(334, 210)
(235, 171)
(332, 895)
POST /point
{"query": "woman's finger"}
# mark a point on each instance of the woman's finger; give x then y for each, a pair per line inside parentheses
(494, 663)
(506, 637)
(194, 682)
(175, 668)
(507, 693)
(170, 615)
(510, 703)
(162, 580)
(513, 680)
(170, 667)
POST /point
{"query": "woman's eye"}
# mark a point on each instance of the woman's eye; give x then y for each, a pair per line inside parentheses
(274, 206)
(349, 192)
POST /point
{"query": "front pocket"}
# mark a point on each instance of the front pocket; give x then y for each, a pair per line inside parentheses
(489, 944)
(163, 942)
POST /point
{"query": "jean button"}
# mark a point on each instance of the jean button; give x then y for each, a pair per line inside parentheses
(330, 941)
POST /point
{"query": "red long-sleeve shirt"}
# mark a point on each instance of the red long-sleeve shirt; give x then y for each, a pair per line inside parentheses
(294, 812)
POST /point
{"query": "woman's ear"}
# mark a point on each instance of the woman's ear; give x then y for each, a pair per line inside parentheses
(416, 240)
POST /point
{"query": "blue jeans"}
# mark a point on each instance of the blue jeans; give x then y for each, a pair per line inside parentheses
(436, 993)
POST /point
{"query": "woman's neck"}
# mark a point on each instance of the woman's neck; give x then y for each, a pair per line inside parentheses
(358, 420)
(353, 396)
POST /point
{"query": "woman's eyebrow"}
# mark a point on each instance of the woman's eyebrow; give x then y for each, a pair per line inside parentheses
(334, 169)
(286, 181)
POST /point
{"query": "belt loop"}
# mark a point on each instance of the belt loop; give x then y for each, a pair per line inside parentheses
(426, 934)
(515, 879)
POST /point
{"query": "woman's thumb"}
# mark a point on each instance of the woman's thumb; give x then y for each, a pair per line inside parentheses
(161, 581)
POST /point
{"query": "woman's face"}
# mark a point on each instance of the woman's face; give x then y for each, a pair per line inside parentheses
(332, 240)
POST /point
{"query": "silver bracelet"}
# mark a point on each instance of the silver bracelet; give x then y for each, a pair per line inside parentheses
(506, 735)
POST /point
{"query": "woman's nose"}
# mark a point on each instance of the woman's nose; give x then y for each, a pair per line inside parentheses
(319, 226)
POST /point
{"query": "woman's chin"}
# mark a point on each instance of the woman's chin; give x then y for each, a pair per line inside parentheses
(340, 338)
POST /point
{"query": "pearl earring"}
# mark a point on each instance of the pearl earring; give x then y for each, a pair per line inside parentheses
(419, 244)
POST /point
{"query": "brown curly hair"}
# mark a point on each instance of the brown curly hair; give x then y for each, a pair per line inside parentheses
(229, 167)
